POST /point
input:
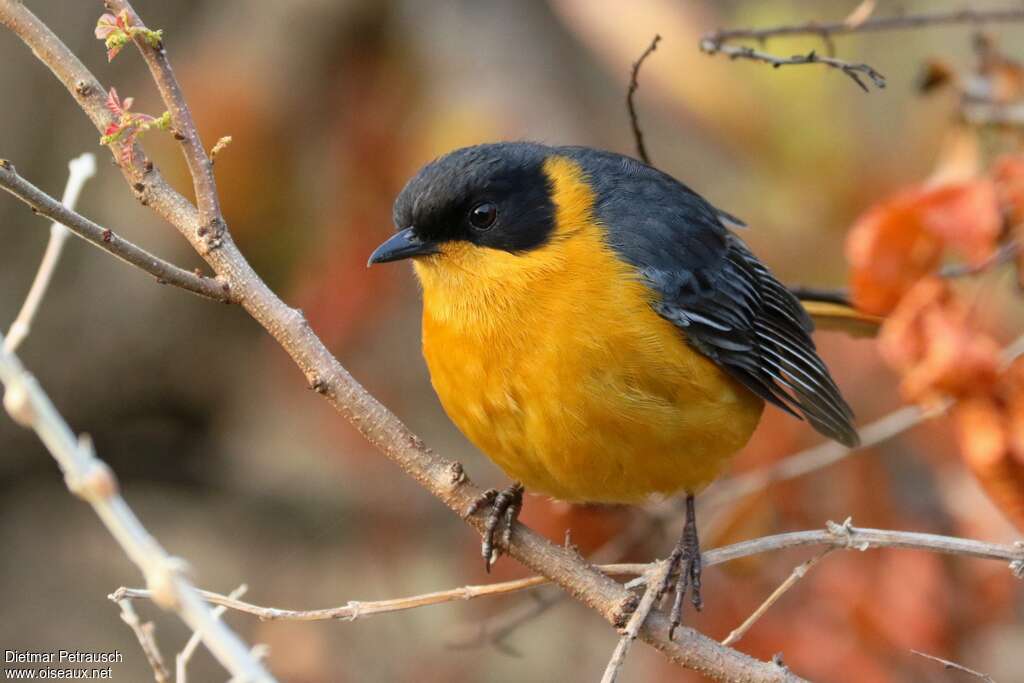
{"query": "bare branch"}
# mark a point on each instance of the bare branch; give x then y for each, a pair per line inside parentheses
(80, 169)
(818, 457)
(657, 579)
(830, 452)
(1004, 254)
(872, 25)
(496, 629)
(634, 120)
(183, 658)
(853, 70)
(144, 632)
(91, 480)
(835, 536)
(355, 609)
(798, 573)
(199, 165)
(946, 664)
(166, 273)
(720, 41)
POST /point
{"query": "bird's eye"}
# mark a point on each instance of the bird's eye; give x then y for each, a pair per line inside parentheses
(482, 215)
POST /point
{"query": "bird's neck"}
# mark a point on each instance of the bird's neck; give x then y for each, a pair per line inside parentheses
(464, 291)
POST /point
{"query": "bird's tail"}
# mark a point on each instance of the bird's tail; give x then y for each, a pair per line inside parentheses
(833, 311)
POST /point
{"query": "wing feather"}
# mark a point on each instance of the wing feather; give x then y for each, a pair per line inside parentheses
(726, 303)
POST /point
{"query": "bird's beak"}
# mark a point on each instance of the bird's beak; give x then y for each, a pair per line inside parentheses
(403, 244)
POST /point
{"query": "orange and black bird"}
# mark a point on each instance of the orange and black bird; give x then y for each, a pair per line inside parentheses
(596, 328)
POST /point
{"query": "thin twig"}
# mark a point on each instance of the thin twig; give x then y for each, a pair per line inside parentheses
(1004, 254)
(144, 632)
(840, 536)
(199, 165)
(634, 120)
(183, 658)
(719, 41)
(355, 609)
(873, 24)
(854, 70)
(91, 480)
(80, 169)
(657, 578)
(495, 630)
(166, 273)
(946, 664)
(830, 452)
(818, 457)
(798, 573)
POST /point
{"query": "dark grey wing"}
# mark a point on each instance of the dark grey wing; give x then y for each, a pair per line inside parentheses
(725, 301)
(759, 333)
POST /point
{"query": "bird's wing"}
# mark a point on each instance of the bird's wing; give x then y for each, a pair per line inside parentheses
(725, 301)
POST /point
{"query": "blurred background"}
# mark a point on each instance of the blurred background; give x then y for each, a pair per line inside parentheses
(233, 464)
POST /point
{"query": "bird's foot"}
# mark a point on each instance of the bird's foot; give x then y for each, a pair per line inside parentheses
(685, 569)
(505, 506)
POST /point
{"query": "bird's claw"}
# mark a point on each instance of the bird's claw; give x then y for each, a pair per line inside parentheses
(505, 506)
(685, 568)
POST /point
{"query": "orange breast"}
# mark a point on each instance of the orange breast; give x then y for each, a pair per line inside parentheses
(554, 364)
(590, 399)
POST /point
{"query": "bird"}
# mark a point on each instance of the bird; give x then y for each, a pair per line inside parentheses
(600, 331)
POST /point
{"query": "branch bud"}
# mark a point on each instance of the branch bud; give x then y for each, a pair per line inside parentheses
(18, 404)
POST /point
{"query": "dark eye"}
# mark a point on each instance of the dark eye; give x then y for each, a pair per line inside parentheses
(482, 215)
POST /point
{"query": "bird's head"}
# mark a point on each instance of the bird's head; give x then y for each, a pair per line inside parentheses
(475, 208)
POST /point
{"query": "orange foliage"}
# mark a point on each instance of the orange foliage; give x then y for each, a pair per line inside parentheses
(1008, 174)
(897, 242)
(990, 430)
(928, 336)
(929, 339)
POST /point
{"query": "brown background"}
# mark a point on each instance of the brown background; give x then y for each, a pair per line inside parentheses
(235, 466)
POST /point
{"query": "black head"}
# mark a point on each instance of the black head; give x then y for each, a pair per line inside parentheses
(494, 195)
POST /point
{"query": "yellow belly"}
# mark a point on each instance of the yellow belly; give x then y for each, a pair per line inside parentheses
(579, 390)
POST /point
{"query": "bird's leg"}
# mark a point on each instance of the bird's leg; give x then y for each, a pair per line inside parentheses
(505, 506)
(685, 560)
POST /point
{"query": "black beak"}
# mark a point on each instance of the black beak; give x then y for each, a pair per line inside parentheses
(403, 244)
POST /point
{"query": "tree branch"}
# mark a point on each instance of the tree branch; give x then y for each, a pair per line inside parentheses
(872, 25)
(187, 652)
(165, 273)
(720, 41)
(91, 480)
(144, 633)
(199, 165)
(843, 536)
(657, 579)
(851, 69)
(818, 457)
(80, 169)
(799, 572)
(948, 665)
(829, 452)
